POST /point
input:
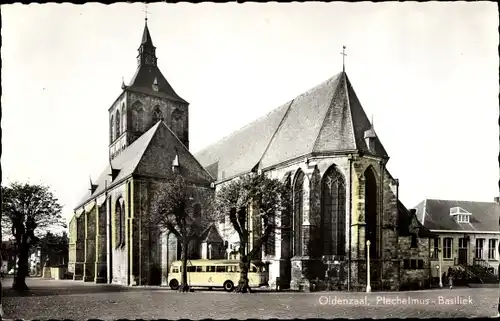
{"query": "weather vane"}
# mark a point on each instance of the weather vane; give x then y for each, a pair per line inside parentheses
(343, 58)
(146, 12)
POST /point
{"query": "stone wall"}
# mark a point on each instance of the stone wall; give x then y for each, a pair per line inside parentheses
(167, 108)
(418, 276)
(386, 269)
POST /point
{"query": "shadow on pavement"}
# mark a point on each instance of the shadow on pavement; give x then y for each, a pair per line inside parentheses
(41, 287)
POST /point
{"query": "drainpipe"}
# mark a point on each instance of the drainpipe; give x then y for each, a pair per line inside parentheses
(109, 260)
(397, 224)
(350, 223)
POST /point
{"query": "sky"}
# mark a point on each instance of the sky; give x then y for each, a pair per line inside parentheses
(427, 72)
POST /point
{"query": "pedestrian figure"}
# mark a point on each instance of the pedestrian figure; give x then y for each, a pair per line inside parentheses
(450, 281)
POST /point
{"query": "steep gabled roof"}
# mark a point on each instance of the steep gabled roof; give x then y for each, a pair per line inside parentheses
(408, 219)
(151, 155)
(326, 119)
(435, 215)
(148, 74)
(211, 235)
(143, 80)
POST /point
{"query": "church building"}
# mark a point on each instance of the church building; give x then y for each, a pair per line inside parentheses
(321, 143)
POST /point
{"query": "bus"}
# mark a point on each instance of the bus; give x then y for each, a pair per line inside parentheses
(216, 274)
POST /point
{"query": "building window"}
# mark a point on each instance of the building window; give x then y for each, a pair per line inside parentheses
(117, 124)
(413, 264)
(119, 223)
(371, 215)
(177, 123)
(137, 117)
(479, 248)
(157, 115)
(492, 245)
(298, 204)
(414, 242)
(435, 252)
(270, 244)
(111, 129)
(124, 120)
(333, 216)
(448, 245)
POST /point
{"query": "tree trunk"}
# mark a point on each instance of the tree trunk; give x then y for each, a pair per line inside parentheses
(184, 284)
(22, 271)
(243, 286)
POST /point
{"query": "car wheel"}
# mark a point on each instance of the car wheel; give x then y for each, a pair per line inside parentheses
(228, 286)
(174, 284)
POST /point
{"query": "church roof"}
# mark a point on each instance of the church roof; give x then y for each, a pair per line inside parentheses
(143, 80)
(151, 155)
(145, 75)
(435, 215)
(326, 119)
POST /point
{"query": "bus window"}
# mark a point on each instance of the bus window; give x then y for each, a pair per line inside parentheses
(210, 268)
(199, 269)
(233, 268)
(253, 269)
(220, 268)
(175, 269)
(191, 268)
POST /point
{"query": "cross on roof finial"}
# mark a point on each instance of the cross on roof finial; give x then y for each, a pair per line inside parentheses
(343, 58)
(146, 12)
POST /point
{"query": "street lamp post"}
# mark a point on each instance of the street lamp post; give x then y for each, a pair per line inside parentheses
(440, 256)
(368, 287)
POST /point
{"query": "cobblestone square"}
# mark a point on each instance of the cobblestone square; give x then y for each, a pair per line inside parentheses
(81, 301)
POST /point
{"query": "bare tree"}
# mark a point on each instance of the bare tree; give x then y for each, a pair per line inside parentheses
(28, 210)
(267, 197)
(175, 207)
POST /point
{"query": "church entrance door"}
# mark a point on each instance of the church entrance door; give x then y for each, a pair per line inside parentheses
(462, 251)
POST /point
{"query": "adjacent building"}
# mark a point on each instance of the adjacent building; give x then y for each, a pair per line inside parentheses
(467, 232)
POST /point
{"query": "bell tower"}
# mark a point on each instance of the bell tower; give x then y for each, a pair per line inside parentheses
(147, 51)
(146, 100)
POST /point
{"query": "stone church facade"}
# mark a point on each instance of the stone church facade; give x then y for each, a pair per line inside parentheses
(320, 143)
(112, 238)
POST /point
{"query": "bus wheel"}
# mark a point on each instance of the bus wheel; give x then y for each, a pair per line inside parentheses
(174, 284)
(228, 286)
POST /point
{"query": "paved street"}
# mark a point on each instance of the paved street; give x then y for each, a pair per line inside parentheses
(80, 301)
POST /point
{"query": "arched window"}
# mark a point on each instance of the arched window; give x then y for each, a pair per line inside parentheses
(111, 129)
(333, 200)
(286, 223)
(137, 117)
(371, 210)
(117, 124)
(157, 115)
(120, 222)
(177, 123)
(124, 119)
(197, 211)
(298, 205)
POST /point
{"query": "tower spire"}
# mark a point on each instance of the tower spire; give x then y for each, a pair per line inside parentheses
(147, 51)
(343, 58)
